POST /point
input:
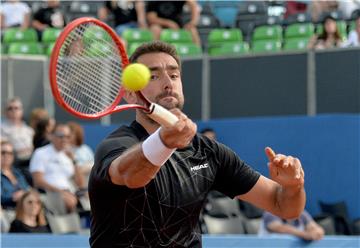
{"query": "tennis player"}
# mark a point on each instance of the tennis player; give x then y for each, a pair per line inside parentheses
(149, 183)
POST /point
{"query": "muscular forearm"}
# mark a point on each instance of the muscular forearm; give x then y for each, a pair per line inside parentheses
(290, 201)
(132, 169)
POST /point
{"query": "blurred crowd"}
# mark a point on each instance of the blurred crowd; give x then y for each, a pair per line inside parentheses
(187, 15)
(39, 158)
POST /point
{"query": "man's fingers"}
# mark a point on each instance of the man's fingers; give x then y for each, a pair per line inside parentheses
(270, 153)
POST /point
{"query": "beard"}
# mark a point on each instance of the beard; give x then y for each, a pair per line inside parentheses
(179, 103)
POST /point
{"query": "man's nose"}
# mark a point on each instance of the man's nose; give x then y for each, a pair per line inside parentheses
(167, 82)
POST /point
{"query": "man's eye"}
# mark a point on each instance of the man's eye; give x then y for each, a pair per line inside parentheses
(153, 77)
(174, 76)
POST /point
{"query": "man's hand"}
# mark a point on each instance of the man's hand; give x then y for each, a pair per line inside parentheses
(285, 170)
(179, 135)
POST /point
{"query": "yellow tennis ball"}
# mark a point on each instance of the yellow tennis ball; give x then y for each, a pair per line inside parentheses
(135, 77)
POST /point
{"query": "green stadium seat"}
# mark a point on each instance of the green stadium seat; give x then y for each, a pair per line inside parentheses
(188, 49)
(95, 33)
(2, 48)
(132, 47)
(298, 30)
(137, 35)
(229, 48)
(267, 32)
(50, 35)
(296, 44)
(341, 25)
(266, 46)
(99, 49)
(176, 36)
(31, 48)
(224, 35)
(49, 49)
(17, 35)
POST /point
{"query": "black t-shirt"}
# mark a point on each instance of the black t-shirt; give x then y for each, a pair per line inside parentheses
(18, 226)
(122, 13)
(50, 16)
(167, 9)
(164, 213)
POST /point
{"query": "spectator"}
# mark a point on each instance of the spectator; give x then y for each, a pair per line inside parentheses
(168, 14)
(330, 36)
(83, 154)
(349, 7)
(13, 182)
(49, 16)
(43, 131)
(15, 130)
(30, 217)
(354, 35)
(209, 132)
(303, 227)
(295, 7)
(317, 8)
(53, 168)
(127, 14)
(14, 13)
(39, 114)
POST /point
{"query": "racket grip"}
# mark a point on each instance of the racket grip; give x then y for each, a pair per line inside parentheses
(162, 116)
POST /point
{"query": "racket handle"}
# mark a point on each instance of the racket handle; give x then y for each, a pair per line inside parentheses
(162, 116)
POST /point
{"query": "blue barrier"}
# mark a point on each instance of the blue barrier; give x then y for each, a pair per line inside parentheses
(209, 241)
(328, 146)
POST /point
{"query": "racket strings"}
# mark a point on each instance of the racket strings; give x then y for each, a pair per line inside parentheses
(89, 70)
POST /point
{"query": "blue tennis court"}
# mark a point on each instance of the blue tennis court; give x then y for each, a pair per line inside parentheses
(209, 241)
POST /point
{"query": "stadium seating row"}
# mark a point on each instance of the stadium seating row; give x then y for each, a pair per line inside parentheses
(265, 38)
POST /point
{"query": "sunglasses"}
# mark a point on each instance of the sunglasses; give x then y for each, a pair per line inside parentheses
(11, 108)
(7, 152)
(61, 135)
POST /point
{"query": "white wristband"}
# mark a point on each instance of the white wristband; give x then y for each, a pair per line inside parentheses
(155, 150)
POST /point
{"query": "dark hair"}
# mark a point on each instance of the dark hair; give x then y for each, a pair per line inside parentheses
(208, 129)
(155, 47)
(40, 130)
(324, 34)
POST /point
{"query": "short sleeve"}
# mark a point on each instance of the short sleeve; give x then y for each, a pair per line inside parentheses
(234, 177)
(108, 151)
(306, 218)
(37, 162)
(26, 9)
(269, 218)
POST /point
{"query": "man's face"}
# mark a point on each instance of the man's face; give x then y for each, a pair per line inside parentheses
(61, 137)
(165, 86)
(14, 110)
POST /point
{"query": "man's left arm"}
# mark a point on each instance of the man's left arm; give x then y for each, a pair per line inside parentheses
(283, 194)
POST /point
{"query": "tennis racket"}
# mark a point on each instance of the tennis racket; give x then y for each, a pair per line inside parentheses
(85, 73)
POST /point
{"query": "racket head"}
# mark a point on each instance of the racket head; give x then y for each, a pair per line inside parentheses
(86, 67)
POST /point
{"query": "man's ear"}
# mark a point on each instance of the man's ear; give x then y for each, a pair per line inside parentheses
(130, 97)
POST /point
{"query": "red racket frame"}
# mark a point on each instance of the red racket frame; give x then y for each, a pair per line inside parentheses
(114, 107)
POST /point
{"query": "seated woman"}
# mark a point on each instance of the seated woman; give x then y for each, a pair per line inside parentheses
(30, 217)
(13, 182)
(329, 38)
(83, 154)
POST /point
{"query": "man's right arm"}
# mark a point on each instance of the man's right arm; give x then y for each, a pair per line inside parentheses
(134, 169)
